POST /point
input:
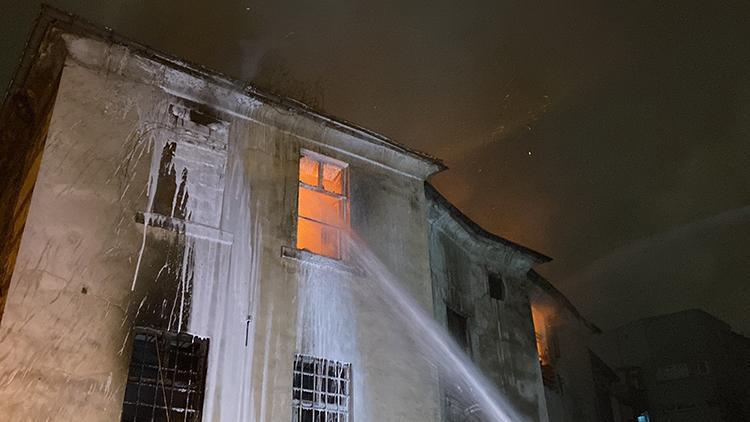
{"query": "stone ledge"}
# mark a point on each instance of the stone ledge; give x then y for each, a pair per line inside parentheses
(307, 257)
(190, 229)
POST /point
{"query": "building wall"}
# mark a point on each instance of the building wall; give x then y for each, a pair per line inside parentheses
(88, 270)
(501, 333)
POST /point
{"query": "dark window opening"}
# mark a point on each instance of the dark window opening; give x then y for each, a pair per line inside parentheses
(166, 378)
(203, 118)
(321, 390)
(172, 196)
(496, 286)
(458, 327)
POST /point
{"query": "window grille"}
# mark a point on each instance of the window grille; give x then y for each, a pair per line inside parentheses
(458, 410)
(322, 205)
(166, 377)
(321, 390)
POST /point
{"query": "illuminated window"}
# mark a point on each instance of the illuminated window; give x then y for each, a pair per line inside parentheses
(322, 205)
(321, 390)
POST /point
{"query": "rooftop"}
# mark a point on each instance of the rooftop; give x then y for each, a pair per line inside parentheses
(51, 19)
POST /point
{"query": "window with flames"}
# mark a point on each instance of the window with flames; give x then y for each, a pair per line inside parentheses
(322, 211)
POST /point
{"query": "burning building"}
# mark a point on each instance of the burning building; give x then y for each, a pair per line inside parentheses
(180, 246)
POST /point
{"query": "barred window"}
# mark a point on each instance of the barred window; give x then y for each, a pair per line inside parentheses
(166, 377)
(321, 390)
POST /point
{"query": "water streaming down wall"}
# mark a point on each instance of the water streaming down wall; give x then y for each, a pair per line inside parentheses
(327, 324)
(226, 291)
(218, 274)
(326, 318)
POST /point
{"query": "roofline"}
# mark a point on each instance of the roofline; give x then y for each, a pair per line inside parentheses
(432, 193)
(51, 17)
(701, 311)
(550, 289)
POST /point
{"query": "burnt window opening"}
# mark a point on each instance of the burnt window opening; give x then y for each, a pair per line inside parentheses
(194, 115)
(321, 390)
(171, 197)
(166, 377)
(322, 209)
(496, 286)
(202, 117)
(458, 327)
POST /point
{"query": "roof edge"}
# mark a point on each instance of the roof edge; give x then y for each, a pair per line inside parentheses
(432, 193)
(556, 294)
(51, 17)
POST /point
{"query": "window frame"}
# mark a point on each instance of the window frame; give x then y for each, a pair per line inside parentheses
(299, 391)
(172, 376)
(319, 188)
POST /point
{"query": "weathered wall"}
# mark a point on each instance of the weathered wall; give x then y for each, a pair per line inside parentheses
(502, 342)
(119, 148)
(24, 119)
(63, 338)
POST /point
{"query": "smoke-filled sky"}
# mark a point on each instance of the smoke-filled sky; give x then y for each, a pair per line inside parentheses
(612, 135)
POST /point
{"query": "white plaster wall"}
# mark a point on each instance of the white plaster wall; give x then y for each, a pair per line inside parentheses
(63, 353)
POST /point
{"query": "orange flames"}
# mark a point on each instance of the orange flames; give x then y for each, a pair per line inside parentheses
(322, 205)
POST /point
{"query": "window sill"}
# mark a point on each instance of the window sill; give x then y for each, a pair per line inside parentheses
(306, 257)
(181, 226)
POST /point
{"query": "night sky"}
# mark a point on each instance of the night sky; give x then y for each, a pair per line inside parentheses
(611, 135)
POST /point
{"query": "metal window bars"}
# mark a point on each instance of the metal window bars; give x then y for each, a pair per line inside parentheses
(166, 377)
(321, 390)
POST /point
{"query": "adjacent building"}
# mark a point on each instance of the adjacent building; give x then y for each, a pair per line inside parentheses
(685, 366)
